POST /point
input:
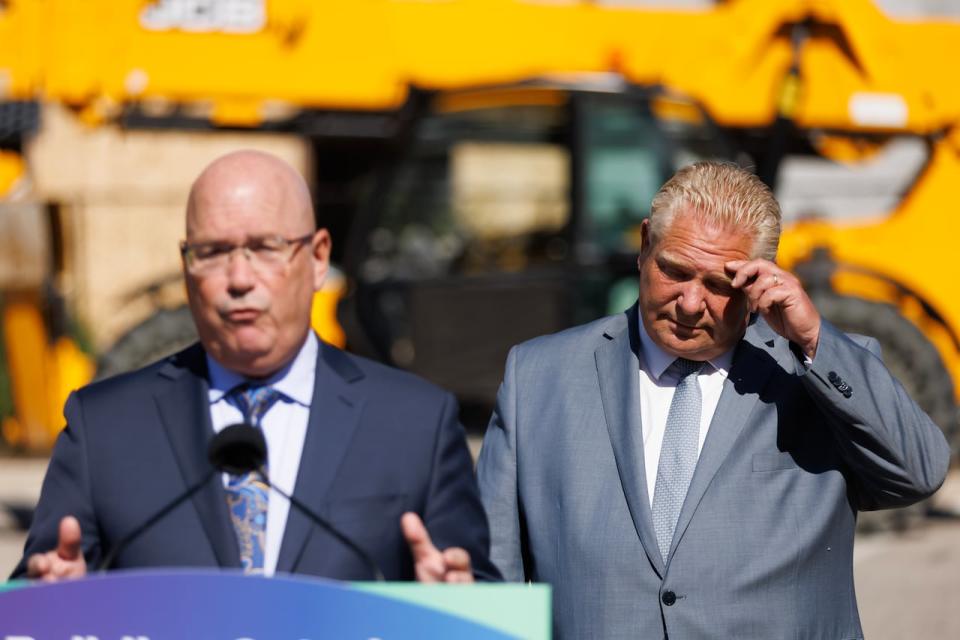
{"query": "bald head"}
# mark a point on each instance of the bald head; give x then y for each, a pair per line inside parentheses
(252, 306)
(250, 174)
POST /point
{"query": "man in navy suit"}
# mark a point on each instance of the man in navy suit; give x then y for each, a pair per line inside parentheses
(377, 452)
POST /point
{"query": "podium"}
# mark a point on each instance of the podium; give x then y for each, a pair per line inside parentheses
(226, 605)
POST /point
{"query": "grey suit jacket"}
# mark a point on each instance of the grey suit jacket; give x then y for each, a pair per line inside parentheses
(764, 544)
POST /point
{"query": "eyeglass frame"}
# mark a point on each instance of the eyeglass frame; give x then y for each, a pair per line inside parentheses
(187, 249)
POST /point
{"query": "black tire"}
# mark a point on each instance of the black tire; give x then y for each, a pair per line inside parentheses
(163, 333)
(914, 361)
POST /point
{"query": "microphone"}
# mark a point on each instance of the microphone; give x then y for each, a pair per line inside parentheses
(243, 450)
(240, 448)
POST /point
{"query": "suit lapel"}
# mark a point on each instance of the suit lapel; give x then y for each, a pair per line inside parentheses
(751, 369)
(184, 409)
(334, 413)
(618, 370)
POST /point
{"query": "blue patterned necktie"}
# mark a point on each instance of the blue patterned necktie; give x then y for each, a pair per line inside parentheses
(678, 453)
(248, 494)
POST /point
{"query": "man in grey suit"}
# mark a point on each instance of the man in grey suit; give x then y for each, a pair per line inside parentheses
(693, 467)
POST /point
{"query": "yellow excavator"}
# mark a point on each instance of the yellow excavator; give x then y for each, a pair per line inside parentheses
(511, 147)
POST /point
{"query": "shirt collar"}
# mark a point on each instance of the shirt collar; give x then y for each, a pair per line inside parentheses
(657, 360)
(294, 381)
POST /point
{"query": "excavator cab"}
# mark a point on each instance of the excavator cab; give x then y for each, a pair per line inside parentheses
(510, 213)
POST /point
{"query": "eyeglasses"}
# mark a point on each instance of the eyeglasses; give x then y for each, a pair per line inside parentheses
(264, 254)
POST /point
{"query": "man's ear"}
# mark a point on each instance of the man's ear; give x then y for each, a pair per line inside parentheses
(645, 241)
(320, 246)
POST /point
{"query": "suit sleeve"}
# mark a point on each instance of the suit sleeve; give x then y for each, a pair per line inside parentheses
(497, 474)
(897, 455)
(65, 491)
(453, 513)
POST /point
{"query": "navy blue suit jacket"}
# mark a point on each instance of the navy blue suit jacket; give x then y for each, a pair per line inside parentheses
(379, 442)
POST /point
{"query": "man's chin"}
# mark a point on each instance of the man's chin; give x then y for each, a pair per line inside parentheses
(250, 340)
(250, 357)
(257, 364)
(685, 344)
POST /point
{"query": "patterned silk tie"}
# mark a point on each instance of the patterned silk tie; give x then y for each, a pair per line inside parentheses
(678, 454)
(248, 494)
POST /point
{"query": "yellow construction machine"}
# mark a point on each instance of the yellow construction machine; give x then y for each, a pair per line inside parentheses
(499, 155)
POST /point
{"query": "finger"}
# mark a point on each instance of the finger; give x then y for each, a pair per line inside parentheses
(771, 297)
(756, 289)
(417, 537)
(68, 545)
(459, 577)
(763, 281)
(38, 565)
(60, 569)
(743, 271)
(769, 280)
(456, 559)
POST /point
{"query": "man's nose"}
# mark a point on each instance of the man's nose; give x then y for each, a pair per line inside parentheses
(691, 301)
(240, 275)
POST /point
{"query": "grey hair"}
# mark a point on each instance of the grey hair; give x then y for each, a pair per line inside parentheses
(721, 194)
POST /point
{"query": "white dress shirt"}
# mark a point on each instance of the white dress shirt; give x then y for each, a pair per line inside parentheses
(284, 427)
(656, 394)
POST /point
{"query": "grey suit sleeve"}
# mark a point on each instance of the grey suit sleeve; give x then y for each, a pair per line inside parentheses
(895, 452)
(66, 491)
(497, 475)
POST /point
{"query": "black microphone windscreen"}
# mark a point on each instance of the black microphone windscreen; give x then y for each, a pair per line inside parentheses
(238, 449)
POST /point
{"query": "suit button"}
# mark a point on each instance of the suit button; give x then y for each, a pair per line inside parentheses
(833, 377)
(669, 597)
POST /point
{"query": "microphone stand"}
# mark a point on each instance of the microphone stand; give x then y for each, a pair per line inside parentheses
(125, 540)
(237, 449)
(326, 526)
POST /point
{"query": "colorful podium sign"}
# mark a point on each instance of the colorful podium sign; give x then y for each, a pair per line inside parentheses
(175, 604)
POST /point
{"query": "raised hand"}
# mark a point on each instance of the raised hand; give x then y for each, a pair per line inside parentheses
(432, 564)
(780, 298)
(66, 561)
